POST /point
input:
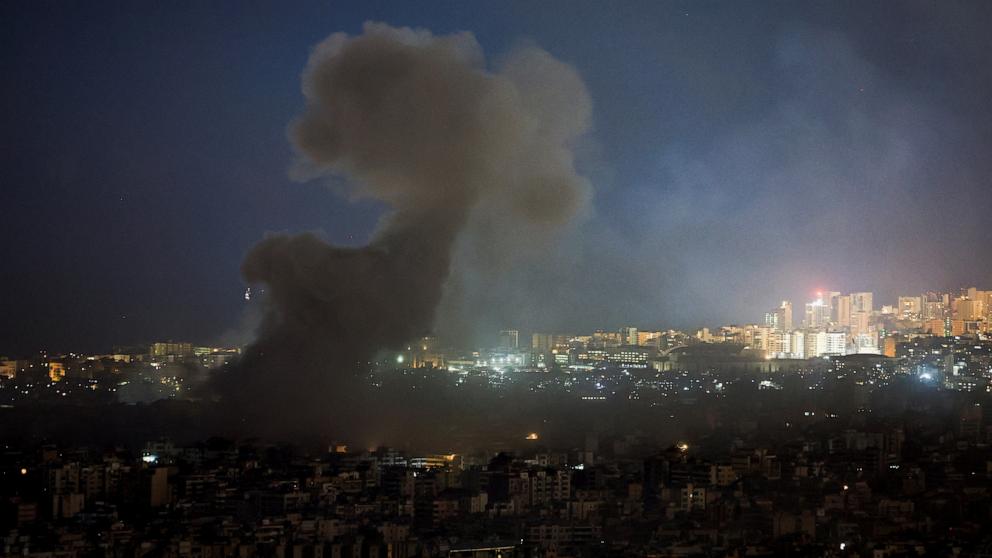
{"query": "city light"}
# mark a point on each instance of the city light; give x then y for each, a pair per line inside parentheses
(613, 227)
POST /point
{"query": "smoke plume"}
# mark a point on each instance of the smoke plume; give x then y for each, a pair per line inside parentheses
(422, 124)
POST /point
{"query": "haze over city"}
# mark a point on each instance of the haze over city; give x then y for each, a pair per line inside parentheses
(495, 280)
(736, 155)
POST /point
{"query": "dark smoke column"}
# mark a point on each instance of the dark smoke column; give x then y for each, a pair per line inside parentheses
(416, 121)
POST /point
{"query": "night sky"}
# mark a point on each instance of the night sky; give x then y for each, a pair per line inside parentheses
(741, 153)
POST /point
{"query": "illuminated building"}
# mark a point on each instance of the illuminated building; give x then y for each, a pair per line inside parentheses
(426, 354)
(910, 307)
(771, 318)
(866, 343)
(171, 349)
(830, 299)
(861, 302)
(541, 342)
(824, 343)
(630, 355)
(546, 341)
(760, 338)
(433, 461)
(889, 345)
(652, 338)
(509, 339)
(935, 305)
(798, 344)
(969, 309)
(56, 371)
(785, 316)
(8, 369)
(628, 336)
(593, 355)
(780, 345)
(842, 311)
(602, 338)
(562, 358)
(817, 314)
(936, 327)
(985, 297)
(504, 358)
(858, 323)
(780, 318)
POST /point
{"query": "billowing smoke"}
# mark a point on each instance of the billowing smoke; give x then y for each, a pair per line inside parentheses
(421, 123)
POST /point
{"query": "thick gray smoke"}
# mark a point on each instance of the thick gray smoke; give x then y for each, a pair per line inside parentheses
(419, 122)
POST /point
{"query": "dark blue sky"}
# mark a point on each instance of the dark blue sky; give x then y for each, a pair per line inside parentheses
(742, 152)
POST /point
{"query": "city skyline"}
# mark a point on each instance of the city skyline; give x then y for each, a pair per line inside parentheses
(732, 150)
(964, 310)
(495, 279)
(907, 307)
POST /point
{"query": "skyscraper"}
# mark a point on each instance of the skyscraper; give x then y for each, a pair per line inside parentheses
(780, 318)
(830, 299)
(509, 339)
(968, 309)
(859, 322)
(817, 314)
(935, 305)
(861, 302)
(842, 311)
(985, 297)
(785, 316)
(910, 307)
(628, 336)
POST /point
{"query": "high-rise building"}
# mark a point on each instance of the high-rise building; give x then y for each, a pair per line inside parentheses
(780, 318)
(985, 297)
(628, 336)
(910, 307)
(861, 302)
(830, 299)
(935, 305)
(541, 341)
(817, 314)
(509, 339)
(759, 337)
(824, 343)
(601, 339)
(968, 309)
(779, 344)
(649, 338)
(859, 322)
(785, 316)
(771, 318)
(937, 326)
(889, 346)
(798, 343)
(866, 343)
(842, 311)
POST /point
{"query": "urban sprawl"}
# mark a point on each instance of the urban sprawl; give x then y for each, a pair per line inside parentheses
(845, 430)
